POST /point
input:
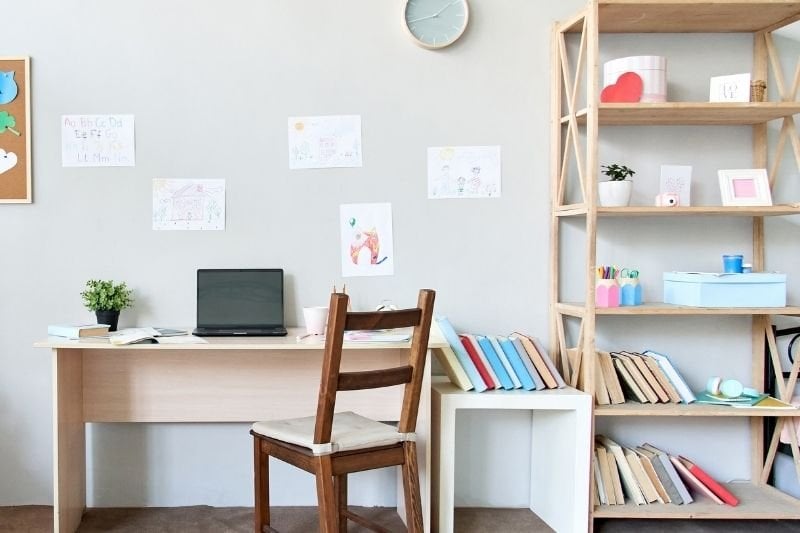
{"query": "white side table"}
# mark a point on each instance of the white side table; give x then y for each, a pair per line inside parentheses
(560, 451)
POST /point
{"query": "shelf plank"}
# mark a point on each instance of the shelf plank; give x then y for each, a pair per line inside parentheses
(690, 113)
(694, 409)
(755, 502)
(692, 16)
(658, 308)
(700, 210)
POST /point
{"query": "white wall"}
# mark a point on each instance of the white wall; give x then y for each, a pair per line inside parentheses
(211, 87)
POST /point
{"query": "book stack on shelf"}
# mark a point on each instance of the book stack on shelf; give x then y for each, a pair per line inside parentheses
(647, 475)
(484, 362)
(647, 377)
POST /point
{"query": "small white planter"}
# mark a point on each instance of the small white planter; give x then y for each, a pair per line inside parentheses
(614, 193)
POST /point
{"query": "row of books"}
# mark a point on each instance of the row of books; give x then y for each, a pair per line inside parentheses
(647, 377)
(484, 362)
(648, 475)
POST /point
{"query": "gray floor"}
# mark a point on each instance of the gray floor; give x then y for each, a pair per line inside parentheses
(203, 519)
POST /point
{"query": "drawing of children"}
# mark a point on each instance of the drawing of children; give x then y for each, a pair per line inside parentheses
(475, 180)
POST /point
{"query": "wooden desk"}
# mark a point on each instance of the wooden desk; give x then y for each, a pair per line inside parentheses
(226, 380)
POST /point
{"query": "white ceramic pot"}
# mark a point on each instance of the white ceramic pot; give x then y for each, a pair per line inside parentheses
(614, 193)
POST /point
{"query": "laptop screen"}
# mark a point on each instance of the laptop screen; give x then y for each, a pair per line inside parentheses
(239, 298)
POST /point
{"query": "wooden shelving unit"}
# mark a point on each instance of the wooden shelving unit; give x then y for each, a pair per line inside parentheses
(576, 118)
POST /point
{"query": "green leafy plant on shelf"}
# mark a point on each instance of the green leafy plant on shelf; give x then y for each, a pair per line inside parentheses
(617, 172)
(105, 295)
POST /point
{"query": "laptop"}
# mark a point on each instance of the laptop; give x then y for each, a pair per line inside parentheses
(233, 302)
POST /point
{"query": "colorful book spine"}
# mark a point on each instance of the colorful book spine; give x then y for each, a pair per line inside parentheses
(476, 360)
(724, 494)
(486, 363)
(486, 347)
(461, 354)
(516, 362)
(503, 359)
(538, 381)
(458, 376)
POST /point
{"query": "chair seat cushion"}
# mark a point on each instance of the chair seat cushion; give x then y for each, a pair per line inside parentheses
(350, 432)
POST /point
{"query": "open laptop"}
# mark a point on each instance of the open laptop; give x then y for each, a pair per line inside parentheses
(240, 302)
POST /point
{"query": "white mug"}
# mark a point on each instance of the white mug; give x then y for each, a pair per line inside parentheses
(316, 319)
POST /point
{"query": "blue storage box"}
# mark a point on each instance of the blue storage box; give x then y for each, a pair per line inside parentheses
(696, 289)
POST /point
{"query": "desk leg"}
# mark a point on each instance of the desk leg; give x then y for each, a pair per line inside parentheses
(445, 444)
(69, 441)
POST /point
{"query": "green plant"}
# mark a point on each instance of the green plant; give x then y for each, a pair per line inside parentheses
(105, 295)
(617, 172)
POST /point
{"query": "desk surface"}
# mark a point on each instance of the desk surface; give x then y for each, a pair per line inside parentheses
(289, 342)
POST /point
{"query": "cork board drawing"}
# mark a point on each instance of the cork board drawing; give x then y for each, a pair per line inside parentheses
(186, 204)
(367, 246)
(15, 134)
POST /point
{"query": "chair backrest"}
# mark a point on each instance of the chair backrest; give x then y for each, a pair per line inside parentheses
(339, 321)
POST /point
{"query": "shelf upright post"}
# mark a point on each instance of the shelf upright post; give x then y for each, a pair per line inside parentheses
(592, 37)
(556, 106)
(759, 322)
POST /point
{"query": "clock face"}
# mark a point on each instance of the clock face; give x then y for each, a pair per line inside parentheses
(436, 23)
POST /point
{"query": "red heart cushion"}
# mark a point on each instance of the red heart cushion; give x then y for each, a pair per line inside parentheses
(627, 89)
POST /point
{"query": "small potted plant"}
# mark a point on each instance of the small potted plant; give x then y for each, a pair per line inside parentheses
(107, 299)
(616, 192)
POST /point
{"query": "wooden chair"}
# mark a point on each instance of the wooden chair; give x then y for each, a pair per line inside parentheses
(331, 446)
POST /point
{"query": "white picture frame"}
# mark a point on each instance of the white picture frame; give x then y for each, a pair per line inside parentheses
(733, 88)
(745, 187)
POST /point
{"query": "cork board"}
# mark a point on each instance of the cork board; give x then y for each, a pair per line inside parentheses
(15, 132)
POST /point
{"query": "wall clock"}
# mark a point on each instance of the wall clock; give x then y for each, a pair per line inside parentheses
(435, 23)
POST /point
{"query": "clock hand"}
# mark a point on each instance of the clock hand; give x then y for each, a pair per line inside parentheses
(445, 7)
(435, 14)
(422, 18)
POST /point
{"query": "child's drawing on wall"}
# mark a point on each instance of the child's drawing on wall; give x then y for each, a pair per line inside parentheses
(472, 172)
(366, 240)
(188, 204)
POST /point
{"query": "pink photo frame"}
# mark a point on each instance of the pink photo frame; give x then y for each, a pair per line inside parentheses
(745, 187)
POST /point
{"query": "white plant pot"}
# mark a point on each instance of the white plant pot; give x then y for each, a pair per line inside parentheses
(614, 193)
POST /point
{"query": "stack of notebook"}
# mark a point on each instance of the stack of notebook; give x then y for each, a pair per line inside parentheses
(647, 377)
(647, 475)
(487, 362)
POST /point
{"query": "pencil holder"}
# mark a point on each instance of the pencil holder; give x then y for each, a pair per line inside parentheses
(630, 292)
(606, 293)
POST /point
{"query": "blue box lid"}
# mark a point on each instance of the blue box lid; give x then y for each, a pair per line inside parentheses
(725, 277)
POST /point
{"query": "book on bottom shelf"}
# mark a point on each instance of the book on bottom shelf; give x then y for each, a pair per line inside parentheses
(626, 475)
(605, 473)
(724, 494)
(693, 481)
(680, 487)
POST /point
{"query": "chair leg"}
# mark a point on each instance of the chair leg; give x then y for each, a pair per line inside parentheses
(411, 488)
(326, 498)
(261, 481)
(340, 488)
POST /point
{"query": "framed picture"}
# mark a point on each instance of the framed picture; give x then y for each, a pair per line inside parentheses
(15, 130)
(734, 88)
(748, 186)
